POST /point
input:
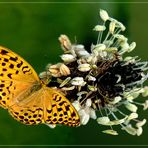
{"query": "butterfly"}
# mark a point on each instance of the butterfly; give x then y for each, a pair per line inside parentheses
(26, 96)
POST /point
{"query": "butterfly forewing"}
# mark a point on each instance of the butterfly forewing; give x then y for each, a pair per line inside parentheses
(13, 65)
(16, 76)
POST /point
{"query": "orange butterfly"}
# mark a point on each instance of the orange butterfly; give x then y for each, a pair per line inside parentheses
(27, 98)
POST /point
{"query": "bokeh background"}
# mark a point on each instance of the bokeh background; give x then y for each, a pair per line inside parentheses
(32, 30)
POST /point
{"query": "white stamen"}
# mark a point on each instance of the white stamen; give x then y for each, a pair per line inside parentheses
(84, 67)
(99, 28)
(111, 49)
(80, 50)
(78, 81)
(80, 46)
(110, 131)
(129, 129)
(125, 46)
(103, 54)
(82, 53)
(68, 58)
(93, 114)
(92, 88)
(119, 24)
(64, 70)
(116, 100)
(108, 43)
(103, 120)
(129, 59)
(141, 123)
(91, 78)
(65, 42)
(81, 93)
(88, 102)
(104, 15)
(68, 88)
(112, 27)
(117, 122)
(119, 78)
(131, 107)
(145, 93)
(145, 105)
(99, 47)
(120, 37)
(132, 46)
(84, 117)
(65, 81)
(76, 105)
(139, 131)
(132, 116)
(130, 98)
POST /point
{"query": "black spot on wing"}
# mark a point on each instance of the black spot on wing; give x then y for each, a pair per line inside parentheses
(19, 64)
(11, 66)
(16, 72)
(13, 59)
(3, 64)
(4, 52)
(2, 85)
(4, 69)
(1, 74)
(9, 75)
(6, 60)
(59, 109)
(49, 111)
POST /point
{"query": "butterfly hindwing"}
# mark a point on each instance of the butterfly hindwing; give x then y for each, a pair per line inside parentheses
(29, 110)
(45, 106)
(60, 110)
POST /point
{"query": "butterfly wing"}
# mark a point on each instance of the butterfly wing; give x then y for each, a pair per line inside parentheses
(45, 106)
(58, 109)
(29, 110)
(16, 76)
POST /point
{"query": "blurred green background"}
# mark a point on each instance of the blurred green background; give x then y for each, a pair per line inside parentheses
(32, 30)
